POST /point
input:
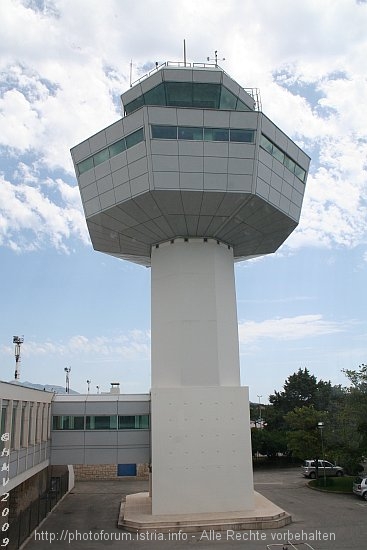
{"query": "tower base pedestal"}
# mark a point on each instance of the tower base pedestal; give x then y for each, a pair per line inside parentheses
(201, 450)
(136, 516)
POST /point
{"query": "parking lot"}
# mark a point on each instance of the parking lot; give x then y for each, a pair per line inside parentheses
(86, 519)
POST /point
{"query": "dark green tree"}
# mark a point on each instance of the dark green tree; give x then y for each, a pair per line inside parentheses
(303, 435)
(302, 389)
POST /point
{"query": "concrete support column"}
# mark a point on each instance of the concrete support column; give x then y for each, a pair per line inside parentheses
(194, 315)
(201, 445)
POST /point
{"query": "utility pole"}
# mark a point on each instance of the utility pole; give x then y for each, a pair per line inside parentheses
(259, 396)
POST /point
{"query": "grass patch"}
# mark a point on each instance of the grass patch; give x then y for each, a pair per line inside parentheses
(342, 484)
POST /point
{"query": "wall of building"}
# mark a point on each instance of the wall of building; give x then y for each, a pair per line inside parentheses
(95, 472)
(25, 415)
(80, 439)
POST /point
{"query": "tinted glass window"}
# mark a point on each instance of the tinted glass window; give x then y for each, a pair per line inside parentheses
(227, 100)
(216, 134)
(242, 106)
(288, 163)
(266, 144)
(85, 165)
(300, 173)
(126, 422)
(142, 421)
(179, 94)
(155, 96)
(187, 132)
(137, 422)
(133, 105)
(134, 138)
(242, 135)
(278, 154)
(164, 132)
(100, 157)
(68, 422)
(117, 148)
(101, 422)
(206, 95)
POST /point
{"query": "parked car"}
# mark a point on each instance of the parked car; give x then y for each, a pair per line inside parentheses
(360, 487)
(324, 468)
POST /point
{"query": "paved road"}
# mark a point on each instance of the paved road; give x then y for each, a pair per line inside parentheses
(338, 522)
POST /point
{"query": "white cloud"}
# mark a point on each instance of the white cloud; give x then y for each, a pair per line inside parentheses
(288, 328)
(29, 218)
(62, 80)
(134, 345)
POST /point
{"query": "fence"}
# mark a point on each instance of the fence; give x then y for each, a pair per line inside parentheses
(22, 526)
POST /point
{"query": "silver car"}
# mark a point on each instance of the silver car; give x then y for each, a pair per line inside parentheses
(360, 487)
(324, 468)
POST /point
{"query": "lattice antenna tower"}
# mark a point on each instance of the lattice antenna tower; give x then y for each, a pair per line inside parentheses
(17, 341)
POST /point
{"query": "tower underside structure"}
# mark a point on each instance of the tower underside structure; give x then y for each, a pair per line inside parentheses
(193, 178)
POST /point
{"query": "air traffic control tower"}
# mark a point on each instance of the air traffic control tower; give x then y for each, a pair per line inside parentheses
(193, 178)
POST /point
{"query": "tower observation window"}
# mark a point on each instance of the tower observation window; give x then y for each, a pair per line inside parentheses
(281, 156)
(190, 132)
(108, 152)
(202, 134)
(197, 95)
(216, 134)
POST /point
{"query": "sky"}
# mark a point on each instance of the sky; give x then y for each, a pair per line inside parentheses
(64, 64)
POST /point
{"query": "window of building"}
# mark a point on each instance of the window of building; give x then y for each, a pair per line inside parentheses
(103, 422)
(216, 134)
(179, 94)
(134, 138)
(101, 156)
(112, 150)
(156, 96)
(117, 148)
(246, 136)
(68, 422)
(282, 157)
(199, 95)
(290, 164)
(279, 155)
(266, 144)
(190, 132)
(206, 96)
(164, 132)
(206, 134)
(228, 101)
(85, 165)
(134, 104)
(136, 422)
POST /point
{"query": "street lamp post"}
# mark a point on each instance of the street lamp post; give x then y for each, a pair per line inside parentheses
(259, 396)
(88, 384)
(320, 426)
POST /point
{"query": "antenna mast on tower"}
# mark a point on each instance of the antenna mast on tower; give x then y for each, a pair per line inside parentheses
(17, 340)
